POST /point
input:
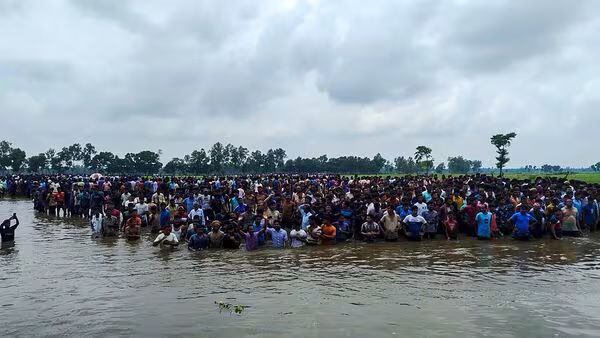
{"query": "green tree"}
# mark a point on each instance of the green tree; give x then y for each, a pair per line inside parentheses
(87, 153)
(378, 162)
(458, 165)
(596, 167)
(228, 153)
(423, 158)
(5, 148)
(217, 157)
(199, 162)
(17, 159)
(502, 142)
(56, 160)
(144, 162)
(440, 168)
(476, 166)
(102, 161)
(76, 152)
(175, 166)
(405, 165)
(50, 155)
(269, 162)
(242, 157)
(67, 156)
(37, 163)
(256, 162)
(279, 156)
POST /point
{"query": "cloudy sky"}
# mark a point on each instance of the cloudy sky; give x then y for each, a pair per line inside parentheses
(312, 77)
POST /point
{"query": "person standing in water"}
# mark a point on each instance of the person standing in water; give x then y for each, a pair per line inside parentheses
(132, 229)
(7, 231)
(483, 220)
(166, 238)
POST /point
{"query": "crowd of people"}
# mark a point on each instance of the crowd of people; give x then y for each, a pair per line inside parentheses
(297, 210)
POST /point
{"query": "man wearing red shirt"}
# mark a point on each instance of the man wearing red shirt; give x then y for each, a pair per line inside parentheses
(470, 211)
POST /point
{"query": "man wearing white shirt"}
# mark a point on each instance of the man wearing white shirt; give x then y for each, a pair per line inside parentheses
(421, 205)
(158, 198)
(197, 211)
(142, 209)
(166, 238)
(125, 197)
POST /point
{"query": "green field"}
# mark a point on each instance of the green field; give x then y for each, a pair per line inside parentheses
(585, 177)
(589, 177)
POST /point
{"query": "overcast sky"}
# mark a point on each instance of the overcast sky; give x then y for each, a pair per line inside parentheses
(312, 77)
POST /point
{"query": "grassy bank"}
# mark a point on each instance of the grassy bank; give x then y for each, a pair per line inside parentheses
(588, 177)
(585, 177)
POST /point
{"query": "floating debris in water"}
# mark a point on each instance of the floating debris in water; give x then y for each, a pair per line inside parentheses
(237, 308)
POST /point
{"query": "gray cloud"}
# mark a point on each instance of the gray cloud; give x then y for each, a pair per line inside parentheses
(493, 35)
(312, 77)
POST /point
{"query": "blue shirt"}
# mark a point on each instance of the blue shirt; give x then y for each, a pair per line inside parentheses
(402, 211)
(426, 196)
(484, 221)
(278, 237)
(305, 217)
(522, 223)
(414, 225)
(589, 214)
(346, 213)
(240, 209)
(339, 235)
(165, 217)
(197, 242)
(578, 205)
(261, 237)
(189, 203)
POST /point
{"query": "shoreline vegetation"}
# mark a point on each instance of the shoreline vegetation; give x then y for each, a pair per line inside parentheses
(228, 160)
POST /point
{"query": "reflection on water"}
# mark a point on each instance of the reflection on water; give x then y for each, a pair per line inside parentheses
(57, 280)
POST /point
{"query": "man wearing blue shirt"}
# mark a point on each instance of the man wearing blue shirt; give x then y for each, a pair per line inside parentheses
(305, 212)
(165, 215)
(198, 241)
(189, 202)
(279, 237)
(522, 221)
(484, 221)
(589, 216)
(258, 225)
(241, 207)
(403, 209)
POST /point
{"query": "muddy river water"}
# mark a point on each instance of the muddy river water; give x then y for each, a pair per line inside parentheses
(57, 281)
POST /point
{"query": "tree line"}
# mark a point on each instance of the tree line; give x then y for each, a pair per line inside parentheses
(219, 159)
(231, 159)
